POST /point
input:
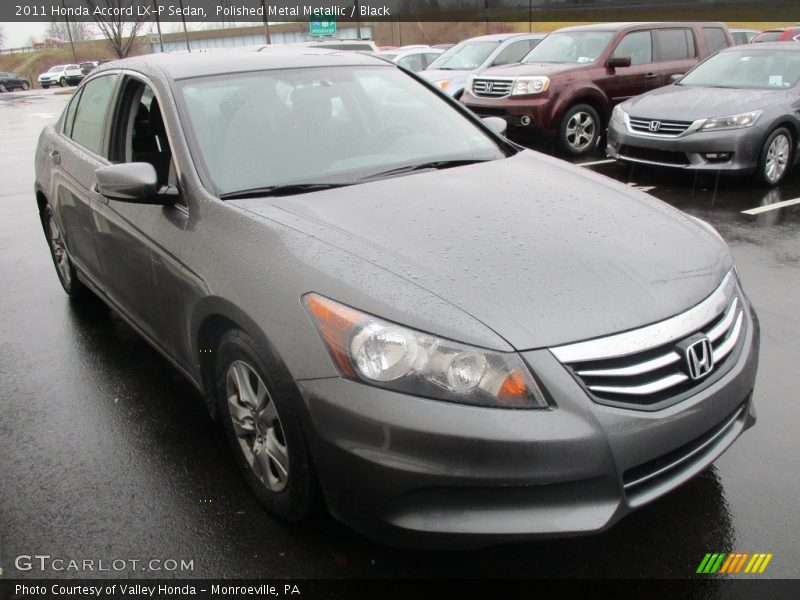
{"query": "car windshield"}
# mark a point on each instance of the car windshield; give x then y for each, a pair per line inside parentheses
(56, 68)
(570, 47)
(465, 56)
(334, 126)
(747, 69)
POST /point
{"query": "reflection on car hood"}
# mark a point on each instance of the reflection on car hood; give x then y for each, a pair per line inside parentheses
(541, 251)
(689, 103)
(520, 69)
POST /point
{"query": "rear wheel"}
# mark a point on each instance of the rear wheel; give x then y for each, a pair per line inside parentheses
(44, 87)
(62, 82)
(259, 409)
(777, 157)
(579, 130)
(58, 251)
(25, 86)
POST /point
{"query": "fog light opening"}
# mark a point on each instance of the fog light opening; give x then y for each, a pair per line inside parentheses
(717, 157)
(526, 120)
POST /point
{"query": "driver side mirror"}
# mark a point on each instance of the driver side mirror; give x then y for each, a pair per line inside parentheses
(619, 61)
(134, 182)
(497, 124)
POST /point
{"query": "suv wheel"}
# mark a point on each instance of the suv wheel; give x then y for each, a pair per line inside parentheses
(64, 267)
(25, 85)
(259, 409)
(62, 82)
(777, 157)
(579, 130)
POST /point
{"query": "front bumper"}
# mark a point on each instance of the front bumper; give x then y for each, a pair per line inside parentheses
(689, 152)
(515, 110)
(423, 473)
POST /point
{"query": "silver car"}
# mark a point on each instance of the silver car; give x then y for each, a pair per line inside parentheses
(391, 309)
(735, 113)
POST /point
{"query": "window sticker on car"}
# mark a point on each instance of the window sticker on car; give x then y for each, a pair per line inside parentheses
(776, 81)
(585, 59)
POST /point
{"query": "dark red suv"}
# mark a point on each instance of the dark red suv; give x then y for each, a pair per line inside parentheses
(571, 81)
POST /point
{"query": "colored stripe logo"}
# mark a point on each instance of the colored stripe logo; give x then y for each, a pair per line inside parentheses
(734, 562)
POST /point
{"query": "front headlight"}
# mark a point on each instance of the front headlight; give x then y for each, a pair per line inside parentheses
(377, 352)
(442, 84)
(530, 85)
(619, 115)
(739, 121)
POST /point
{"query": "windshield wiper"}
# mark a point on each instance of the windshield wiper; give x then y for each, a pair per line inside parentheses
(280, 190)
(434, 164)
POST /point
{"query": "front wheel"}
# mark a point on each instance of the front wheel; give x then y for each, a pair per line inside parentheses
(777, 157)
(58, 251)
(25, 86)
(259, 409)
(579, 130)
(45, 87)
(62, 82)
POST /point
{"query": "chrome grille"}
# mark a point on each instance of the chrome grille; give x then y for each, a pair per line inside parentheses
(648, 368)
(664, 127)
(491, 88)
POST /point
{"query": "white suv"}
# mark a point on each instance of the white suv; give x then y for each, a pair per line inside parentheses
(61, 75)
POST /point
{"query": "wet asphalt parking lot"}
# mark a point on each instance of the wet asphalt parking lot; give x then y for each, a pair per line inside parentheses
(107, 452)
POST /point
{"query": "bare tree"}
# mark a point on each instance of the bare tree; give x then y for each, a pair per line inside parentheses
(81, 30)
(121, 34)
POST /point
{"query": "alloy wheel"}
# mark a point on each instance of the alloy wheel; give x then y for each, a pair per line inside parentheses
(580, 130)
(257, 425)
(777, 160)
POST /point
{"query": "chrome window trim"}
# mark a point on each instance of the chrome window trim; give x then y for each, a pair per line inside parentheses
(652, 336)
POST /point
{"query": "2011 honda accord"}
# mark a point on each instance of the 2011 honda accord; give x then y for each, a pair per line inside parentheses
(392, 309)
(735, 113)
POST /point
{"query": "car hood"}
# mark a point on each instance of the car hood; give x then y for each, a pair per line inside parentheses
(539, 250)
(520, 69)
(685, 103)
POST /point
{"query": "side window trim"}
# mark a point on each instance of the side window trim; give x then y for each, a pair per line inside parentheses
(652, 45)
(105, 139)
(73, 104)
(688, 33)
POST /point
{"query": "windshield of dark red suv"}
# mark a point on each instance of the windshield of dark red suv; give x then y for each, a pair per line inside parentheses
(570, 47)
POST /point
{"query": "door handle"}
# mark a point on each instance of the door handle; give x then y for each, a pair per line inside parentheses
(55, 156)
(650, 76)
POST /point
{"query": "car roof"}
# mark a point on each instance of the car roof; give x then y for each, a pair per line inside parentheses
(636, 24)
(201, 64)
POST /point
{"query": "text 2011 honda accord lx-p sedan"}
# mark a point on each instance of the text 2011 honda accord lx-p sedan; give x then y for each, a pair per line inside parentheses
(392, 310)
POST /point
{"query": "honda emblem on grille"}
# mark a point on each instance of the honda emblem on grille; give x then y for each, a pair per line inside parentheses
(654, 126)
(699, 358)
(489, 86)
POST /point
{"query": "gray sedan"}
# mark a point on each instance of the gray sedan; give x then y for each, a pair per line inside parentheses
(736, 112)
(392, 310)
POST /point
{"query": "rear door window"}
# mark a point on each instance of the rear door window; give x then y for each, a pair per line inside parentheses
(638, 45)
(674, 44)
(715, 39)
(89, 126)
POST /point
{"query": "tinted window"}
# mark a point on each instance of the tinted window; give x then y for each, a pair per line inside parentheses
(512, 53)
(69, 119)
(412, 62)
(638, 45)
(87, 129)
(739, 37)
(674, 44)
(715, 39)
(769, 36)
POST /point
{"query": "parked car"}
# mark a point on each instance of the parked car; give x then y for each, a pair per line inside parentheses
(366, 330)
(567, 85)
(88, 66)
(449, 72)
(443, 46)
(743, 36)
(735, 113)
(10, 82)
(781, 34)
(336, 44)
(415, 59)
(62, 75)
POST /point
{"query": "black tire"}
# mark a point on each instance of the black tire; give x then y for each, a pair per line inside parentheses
(25, 86)
(65, 270)
(777, 157)
(579, 130)
(45, 87)
(298, 499)
(62, 82)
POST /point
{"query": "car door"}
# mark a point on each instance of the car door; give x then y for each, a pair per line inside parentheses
(622, 83)
(675, 52)
(75, 155)
(138, 243)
